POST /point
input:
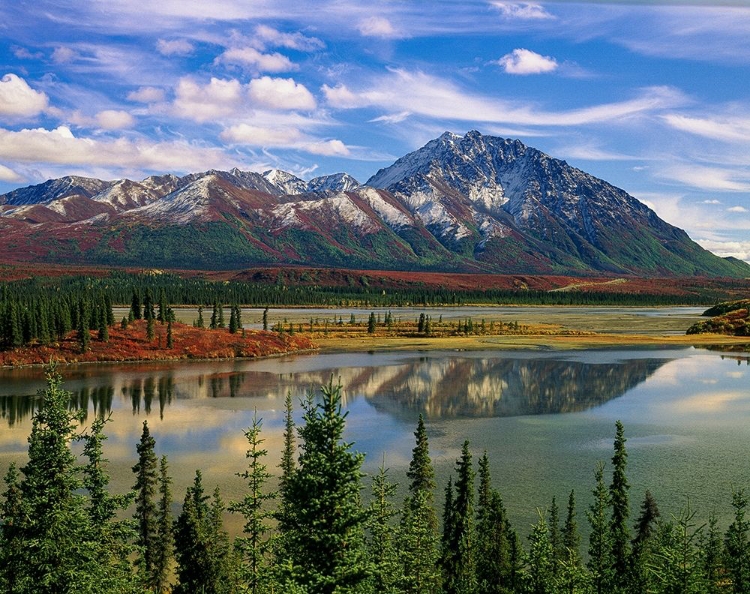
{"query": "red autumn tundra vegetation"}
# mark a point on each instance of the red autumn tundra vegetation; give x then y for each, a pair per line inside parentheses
(131, 344)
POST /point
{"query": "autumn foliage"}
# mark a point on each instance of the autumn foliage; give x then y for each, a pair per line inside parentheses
(131, 344)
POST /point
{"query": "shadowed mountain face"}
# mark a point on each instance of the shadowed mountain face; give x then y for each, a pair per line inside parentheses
(438, 387)
(460, 203)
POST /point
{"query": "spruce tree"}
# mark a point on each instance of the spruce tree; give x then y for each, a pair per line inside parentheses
(618, 493)
(135, 305)
(201, 544)
(737, 546)
(265, 319)
(146, 512)
(59, 550)
(113, 536)
(643, 545)
(150, 330)
(11, 533)
(170, 339)
(460, 576)
(600, 551)
(84, 336)
(555, 539)
(493, 535)
(164, 530)
(711, 557)
(324, 543)
(571, 574)
(148, 306)
(200, 323)
(163, 307)
(418, 539)
(214, 316)
(387, 571)
(254, 544)
(541, 559)
(233, 325)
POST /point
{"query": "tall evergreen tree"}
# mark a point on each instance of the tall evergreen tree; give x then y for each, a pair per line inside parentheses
(600, 547)
(737, 546)
(541, 559)
(164, 530)
(711, 557)
(214, 316)
(460, 574)
(11, 533)
(254, 544)
(148, 306)
(163, 307)
(418, 539)
(84, 336)
(324, 544)
(61, 551)
(200, 323)
(644, 545)
(618, 493)
(572, 576)
(201, 544)
(135, 305)
(555, 538)
(387, 570)
(233, 324)
(493, 534)
(170, 338)
(113, 536)
(146, 512)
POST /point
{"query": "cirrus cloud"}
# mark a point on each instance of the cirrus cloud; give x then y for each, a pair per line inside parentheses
(523, 61)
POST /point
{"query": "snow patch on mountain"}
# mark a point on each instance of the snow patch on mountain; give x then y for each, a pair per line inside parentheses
(286, 182)
(394, 217)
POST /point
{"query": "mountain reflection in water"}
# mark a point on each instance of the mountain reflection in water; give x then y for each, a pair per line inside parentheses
(438, 386)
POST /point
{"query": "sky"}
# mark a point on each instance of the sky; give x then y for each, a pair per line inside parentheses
(653, 97)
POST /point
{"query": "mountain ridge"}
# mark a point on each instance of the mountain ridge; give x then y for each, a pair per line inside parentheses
(469, 203)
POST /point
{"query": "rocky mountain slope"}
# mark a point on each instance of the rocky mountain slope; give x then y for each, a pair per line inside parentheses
(460, 203)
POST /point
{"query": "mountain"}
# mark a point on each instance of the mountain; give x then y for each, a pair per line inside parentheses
(468, 203)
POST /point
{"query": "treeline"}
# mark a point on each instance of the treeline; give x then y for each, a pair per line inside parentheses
(194, 291)
(46, 317)
(60, 531)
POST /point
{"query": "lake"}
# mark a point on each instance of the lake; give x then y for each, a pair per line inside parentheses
(545, 417)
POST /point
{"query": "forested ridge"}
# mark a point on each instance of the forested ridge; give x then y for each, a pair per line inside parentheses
(328, 528)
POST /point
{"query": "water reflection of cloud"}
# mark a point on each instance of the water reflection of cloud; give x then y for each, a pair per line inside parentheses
(714, 402)
(736, 374)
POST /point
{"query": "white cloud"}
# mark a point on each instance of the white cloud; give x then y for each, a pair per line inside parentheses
(112, 119)
(64, 55)
(8, 175)
(707, 178)
(202, 103)
(297, 41)
(328, 148)
(261, 136)
(286, 137)
(727, 129)
(18, 99)
(736, 249)
(175, 47)
(249, 56)
(61, 147)
(377, 27)
(342, 97)
(24, 54)
(147, 95)
(524, 11)
(395, 118)
(433, 97)
(737, 209)
(523, 61)
(280, 93)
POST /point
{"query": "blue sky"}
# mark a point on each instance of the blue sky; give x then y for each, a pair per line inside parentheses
(653, 97)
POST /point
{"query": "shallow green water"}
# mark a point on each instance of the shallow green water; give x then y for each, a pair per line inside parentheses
(545, 418)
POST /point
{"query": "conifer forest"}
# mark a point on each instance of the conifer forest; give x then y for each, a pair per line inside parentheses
(325, 527)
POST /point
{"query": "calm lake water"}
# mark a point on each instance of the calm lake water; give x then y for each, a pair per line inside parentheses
(545, 418)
